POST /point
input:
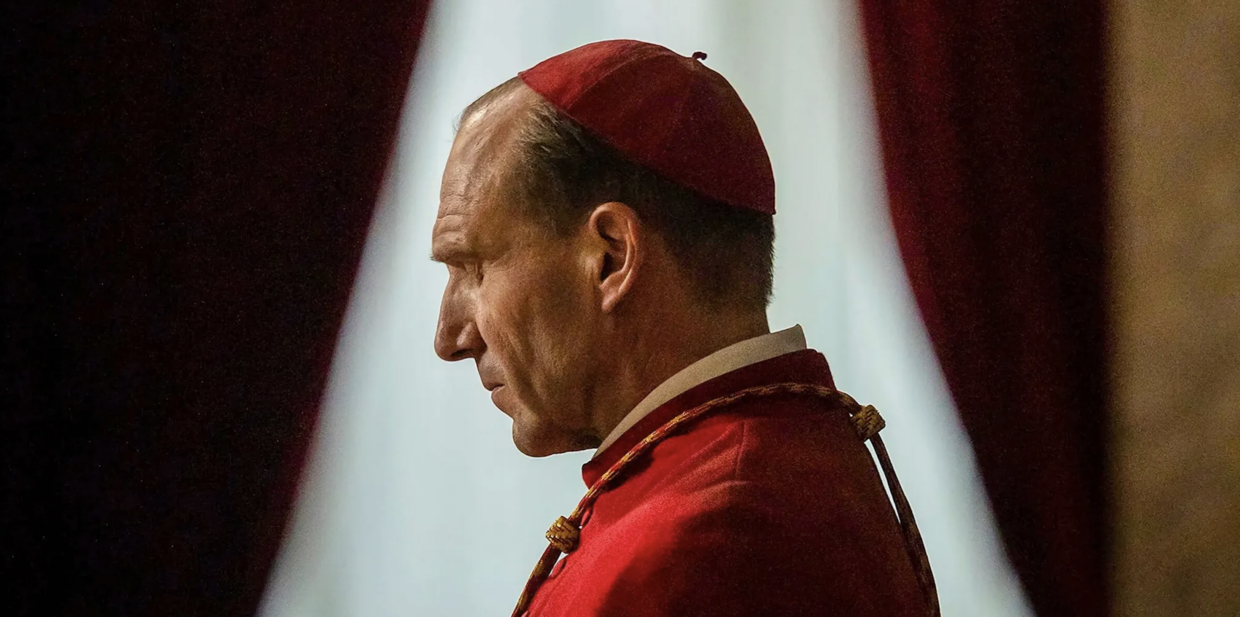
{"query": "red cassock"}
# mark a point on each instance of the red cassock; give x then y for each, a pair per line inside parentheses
(769, 506)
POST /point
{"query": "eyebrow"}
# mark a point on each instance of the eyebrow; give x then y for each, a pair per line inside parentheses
(451, 253)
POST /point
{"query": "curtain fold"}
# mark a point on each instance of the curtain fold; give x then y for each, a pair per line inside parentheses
(190, 192)
(991, 123)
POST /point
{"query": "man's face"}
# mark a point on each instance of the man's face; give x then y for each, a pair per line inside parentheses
(518, 300)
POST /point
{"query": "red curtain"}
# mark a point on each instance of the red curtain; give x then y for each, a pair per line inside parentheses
(188, 193)
(991, 121)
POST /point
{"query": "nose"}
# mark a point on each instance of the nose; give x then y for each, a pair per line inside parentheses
(456, 334)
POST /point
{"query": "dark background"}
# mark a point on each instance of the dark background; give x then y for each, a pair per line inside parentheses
(188, 188)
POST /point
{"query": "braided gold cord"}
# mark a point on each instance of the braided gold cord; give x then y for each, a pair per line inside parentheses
(566, 531)
(913, 544)
(563, 535)
(867, 422)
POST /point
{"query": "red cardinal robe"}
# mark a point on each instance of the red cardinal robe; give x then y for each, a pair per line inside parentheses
(771, 506)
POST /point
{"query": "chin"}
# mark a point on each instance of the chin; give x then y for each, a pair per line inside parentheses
(536, 439)
(534, 445)
(534, 450)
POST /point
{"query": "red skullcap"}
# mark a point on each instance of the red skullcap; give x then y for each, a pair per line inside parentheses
(665, 111)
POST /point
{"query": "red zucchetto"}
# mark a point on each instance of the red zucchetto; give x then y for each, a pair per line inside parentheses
(665, 111)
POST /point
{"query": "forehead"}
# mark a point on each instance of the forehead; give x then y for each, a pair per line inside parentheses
(474, 207)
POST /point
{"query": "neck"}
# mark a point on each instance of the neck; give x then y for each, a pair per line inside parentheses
(662, 348)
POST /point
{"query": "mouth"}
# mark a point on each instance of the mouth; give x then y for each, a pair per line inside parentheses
(495, 390)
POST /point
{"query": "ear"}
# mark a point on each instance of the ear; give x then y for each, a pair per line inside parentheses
(619, 248)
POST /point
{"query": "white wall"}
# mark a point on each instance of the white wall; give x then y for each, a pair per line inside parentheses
(417, 503)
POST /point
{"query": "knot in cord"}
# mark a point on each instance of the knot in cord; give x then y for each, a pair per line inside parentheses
(867, 422)
(564, 535)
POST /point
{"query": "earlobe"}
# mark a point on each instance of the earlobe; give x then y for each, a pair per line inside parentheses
(618, 235)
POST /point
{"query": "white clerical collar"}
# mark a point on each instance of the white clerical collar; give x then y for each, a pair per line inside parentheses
(726, 360)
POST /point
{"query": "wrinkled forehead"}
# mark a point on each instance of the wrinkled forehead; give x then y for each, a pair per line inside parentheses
(483, 153)
(474, 202)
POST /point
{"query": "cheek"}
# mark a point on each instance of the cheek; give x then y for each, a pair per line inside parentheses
(534, 322)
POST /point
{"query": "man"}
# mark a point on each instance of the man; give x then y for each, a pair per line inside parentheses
(606, 221)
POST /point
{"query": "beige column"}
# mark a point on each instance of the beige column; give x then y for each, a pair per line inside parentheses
(1175, 277)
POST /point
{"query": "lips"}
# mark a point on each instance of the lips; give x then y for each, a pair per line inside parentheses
(489, 380)
(493, 386)
(495, 399)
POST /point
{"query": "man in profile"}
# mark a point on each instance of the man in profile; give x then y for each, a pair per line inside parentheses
(606, 221)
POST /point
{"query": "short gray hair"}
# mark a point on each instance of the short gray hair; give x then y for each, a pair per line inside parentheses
(562, 172)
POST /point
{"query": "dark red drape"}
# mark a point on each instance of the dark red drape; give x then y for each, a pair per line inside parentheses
(188, 187)
(991, 121)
